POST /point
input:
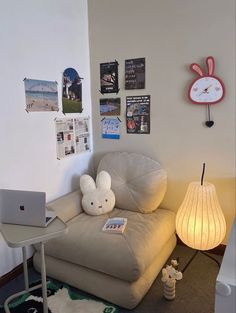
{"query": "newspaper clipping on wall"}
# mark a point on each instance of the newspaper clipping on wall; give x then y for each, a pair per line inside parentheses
(72, 136)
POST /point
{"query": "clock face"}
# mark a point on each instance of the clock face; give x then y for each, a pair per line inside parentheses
(206, 89)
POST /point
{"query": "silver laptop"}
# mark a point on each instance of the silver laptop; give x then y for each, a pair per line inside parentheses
(24, 208)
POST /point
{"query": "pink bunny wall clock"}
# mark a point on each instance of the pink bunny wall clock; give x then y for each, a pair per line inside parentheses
(206, 88)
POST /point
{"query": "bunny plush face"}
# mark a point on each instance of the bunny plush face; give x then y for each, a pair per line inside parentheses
(98, 198)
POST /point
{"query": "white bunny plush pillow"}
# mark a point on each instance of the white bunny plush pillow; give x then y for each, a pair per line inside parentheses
(98, 198)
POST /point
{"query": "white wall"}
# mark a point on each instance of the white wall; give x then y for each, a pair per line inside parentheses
(171, 35)
(39, 40)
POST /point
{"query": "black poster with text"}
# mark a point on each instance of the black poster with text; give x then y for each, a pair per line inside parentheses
(109, 77)
(135, 74)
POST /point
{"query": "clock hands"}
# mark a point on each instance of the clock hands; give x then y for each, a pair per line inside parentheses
(205, 90)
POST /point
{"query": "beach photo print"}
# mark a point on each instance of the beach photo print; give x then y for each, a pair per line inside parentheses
(41, 95)
(71, 92)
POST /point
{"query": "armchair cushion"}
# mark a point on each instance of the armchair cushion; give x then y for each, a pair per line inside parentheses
(67, 206)
(138, 182)
(124, 256)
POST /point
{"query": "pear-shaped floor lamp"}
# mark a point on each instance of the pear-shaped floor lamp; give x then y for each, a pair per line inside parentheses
(200, 222)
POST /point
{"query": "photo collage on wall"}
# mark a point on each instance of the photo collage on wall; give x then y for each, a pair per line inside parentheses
(72, 134)
(109, 83)
(137, 107)
(42, 95)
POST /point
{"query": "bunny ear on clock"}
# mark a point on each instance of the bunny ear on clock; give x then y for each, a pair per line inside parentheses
(211, 65)
(196, 68)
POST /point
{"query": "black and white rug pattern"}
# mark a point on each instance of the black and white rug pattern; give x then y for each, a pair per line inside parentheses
(61, 299)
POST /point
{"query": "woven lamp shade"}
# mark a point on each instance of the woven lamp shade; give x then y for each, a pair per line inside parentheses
(200, 222)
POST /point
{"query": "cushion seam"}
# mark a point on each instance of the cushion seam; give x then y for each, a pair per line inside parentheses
(130, 192)
(140, 176)
(133, 254)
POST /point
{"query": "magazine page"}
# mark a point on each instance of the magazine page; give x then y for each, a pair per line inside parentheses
(115, 225)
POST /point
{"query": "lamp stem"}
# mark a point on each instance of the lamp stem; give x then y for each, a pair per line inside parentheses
(209, 256)
(203, 172)
(193, 257)
(190, 261)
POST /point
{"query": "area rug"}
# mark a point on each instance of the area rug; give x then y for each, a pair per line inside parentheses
(61, 299)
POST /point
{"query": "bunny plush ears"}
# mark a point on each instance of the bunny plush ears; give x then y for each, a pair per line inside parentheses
(103, 181)
(98, 198)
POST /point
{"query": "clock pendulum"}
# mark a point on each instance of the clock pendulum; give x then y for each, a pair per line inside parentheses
(206, 88)
(209, 123)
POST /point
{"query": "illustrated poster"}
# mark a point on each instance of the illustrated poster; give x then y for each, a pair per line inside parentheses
(135, 74)
(71, 92)
(111, 128)
(138, 114)
(110, 106)
(109, 77)
(41, 95)
(72, 136)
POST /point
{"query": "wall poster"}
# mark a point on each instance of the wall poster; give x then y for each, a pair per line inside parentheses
(71, 92)
(138, 114)
(110, 106)
(111, 128)
(72, 136)
(41, 95)
(109, 77)
(135, 74)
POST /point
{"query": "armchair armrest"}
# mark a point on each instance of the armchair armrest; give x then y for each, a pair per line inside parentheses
(67, 206)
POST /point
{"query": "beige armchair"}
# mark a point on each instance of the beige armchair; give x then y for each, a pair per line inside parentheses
(118, 268)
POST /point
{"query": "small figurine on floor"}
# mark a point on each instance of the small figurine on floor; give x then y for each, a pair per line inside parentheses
(169, 276)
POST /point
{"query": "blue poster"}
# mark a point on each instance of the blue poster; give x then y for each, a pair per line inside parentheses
(111, 128)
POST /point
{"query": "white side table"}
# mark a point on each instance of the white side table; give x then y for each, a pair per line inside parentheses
(21, 236)
(225, 298)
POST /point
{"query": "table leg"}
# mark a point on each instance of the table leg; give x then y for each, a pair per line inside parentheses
(25, 266)
(43, 278)
(43, 286)
(18, 294)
